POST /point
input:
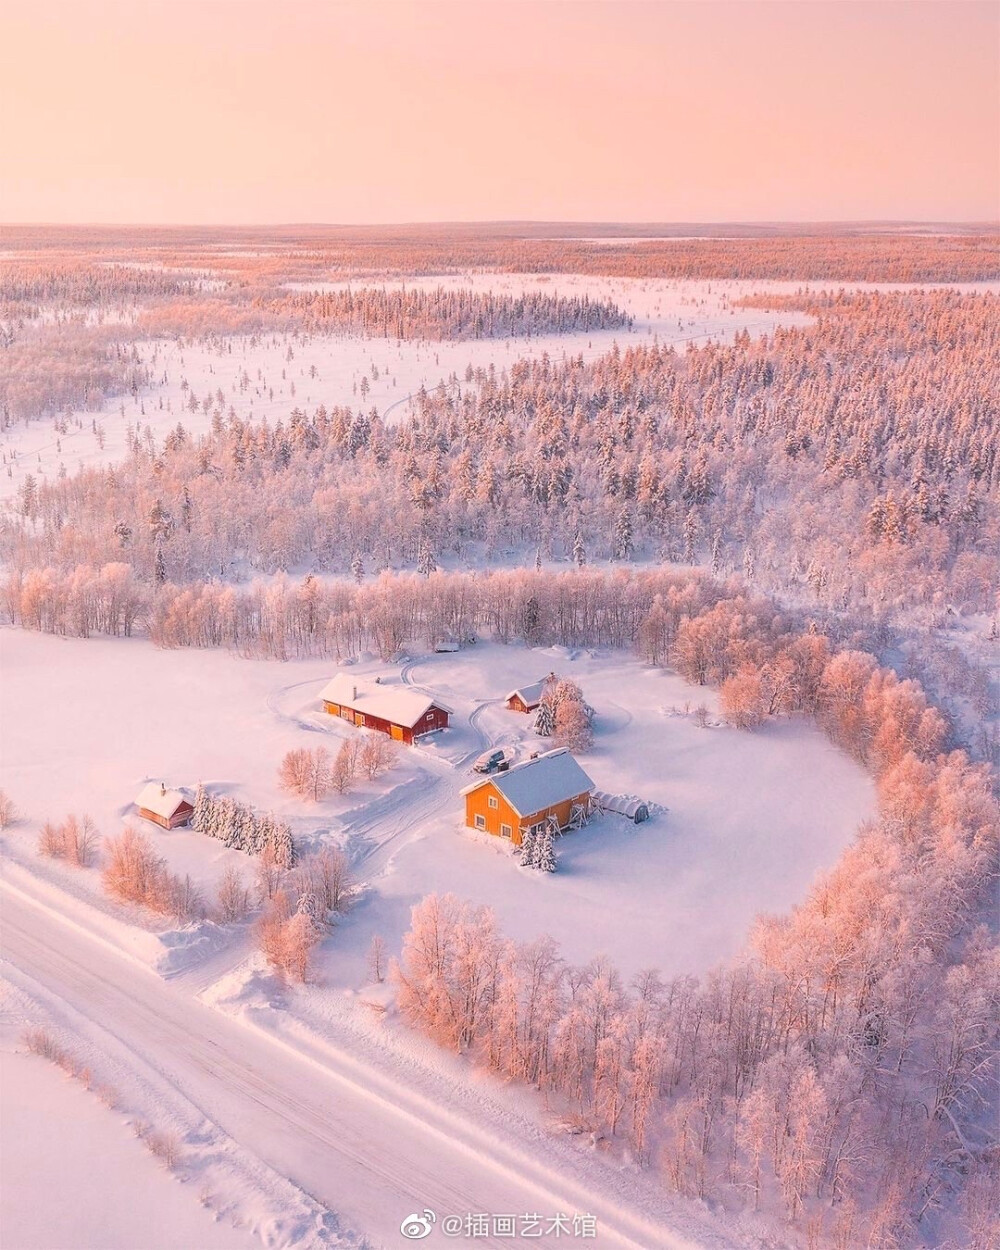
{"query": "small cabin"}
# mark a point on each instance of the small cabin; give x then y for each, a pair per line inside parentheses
(167, 808)
(552, 789)
(527, 698)
(398, 711)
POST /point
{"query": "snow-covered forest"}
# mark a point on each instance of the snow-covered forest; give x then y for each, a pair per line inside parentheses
(853, 463)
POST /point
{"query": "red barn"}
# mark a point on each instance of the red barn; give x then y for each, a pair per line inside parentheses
(527, 698)
(402, 713)
(166, 808)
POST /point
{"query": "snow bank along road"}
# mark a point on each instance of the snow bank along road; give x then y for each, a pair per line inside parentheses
(367, 1148)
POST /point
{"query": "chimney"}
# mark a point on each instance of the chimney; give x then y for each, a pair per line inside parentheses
(354, 694)
(163, 788)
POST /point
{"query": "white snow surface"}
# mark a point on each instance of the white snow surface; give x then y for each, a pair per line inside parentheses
(311, 1114)
(107, 1192)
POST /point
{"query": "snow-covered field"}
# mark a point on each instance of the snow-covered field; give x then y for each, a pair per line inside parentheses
(744, 821)
(319, 1087)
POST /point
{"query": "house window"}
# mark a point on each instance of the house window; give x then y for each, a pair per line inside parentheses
(493, 801)
(480, 822)
(505, 831)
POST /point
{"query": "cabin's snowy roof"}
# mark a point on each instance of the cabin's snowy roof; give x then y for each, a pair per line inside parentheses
(156, 798)
(530, 695)
(536, 784)
(397, 704)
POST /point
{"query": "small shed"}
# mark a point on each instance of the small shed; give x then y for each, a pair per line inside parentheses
(167, 808)
(527, 698)
(397, 711)
(626, 805)
(551, 790)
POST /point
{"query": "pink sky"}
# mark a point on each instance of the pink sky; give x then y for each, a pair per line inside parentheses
(301, 110)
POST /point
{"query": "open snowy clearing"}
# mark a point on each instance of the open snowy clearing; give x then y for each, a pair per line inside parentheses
(750, 818)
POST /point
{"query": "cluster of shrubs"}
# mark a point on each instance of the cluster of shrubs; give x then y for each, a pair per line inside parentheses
(312, 774)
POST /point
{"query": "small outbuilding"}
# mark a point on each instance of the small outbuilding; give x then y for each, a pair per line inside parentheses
(397, 711)
(527, 698)
(626, 805)
(551, 790)
(167, 808)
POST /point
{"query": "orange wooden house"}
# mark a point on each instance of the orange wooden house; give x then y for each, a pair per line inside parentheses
(550, 789)
(167, 808)
(398, 711)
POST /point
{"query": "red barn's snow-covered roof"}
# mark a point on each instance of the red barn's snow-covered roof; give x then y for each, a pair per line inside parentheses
(156, 798)
(396, 704)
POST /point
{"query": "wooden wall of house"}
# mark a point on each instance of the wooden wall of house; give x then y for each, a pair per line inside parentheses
(181, 817)
(477, 804)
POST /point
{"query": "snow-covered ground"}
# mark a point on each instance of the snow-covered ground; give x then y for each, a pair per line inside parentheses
(110, 1193)
(744, 821)
(291, 1101)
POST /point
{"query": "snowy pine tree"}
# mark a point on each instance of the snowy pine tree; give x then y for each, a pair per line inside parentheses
(545, 720)
(623, 535)
(528, 849)
(426, 563)
(202, 803)
(309, 905)
(545, 855)
(358, 568)
(579, 551)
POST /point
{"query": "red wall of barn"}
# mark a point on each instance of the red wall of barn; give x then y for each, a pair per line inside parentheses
(436, 718)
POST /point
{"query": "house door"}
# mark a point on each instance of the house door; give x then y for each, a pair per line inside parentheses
(396, 732)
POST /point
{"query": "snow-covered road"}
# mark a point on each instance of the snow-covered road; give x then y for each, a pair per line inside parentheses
(360, 1143)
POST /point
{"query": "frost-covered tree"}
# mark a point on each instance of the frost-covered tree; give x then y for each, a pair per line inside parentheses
(529, 849)
(545, 718)
(623, 535)
(426, 562)
(545, 859)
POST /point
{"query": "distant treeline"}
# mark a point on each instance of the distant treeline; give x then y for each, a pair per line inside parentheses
(807, 252)
(447, 314)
